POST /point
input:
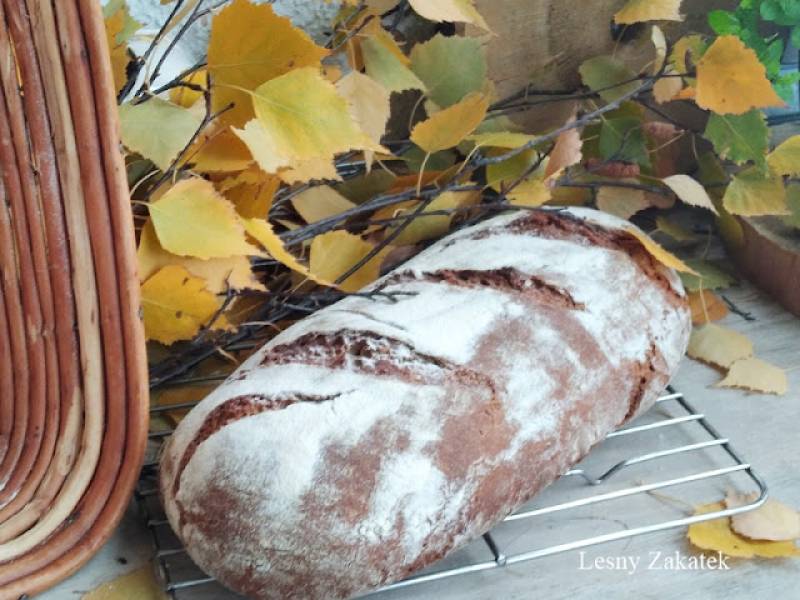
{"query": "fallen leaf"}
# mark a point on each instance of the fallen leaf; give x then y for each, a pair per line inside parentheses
(731, 79)
(502, 174)
(250, 45)
(660, 254)
(785, 159)
(450, 11)
(301, 117)
(622, 139)
(707, 276)
(175, 305)
(157, 129)
(637, 11)
(334, 253)
(689, 191)
(716, 535)
(384, 66)
(706, 307)
(451, 67)
(450, 126)
(673, 230)
(262, 231)
(140, 584)
(739, 138)
(718, 346)
(219, 274)
(773, 520)
(622, 202)
(751, 194)
(608, 76)
(660, 44)
(303, 171)
(193, 219)
(686, 52)
(793, 204)
(319, 202)
(369, 106)
(756, 375)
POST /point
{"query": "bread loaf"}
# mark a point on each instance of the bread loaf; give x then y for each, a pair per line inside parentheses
(375, 436)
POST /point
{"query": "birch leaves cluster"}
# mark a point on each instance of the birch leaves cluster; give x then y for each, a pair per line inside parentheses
(284, 163)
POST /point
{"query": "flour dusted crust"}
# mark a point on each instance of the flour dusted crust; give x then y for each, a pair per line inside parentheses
(373, 437)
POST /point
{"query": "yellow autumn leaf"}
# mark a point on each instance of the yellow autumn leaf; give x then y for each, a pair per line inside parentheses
(622, 202)
(251, 191)
(369, 106)
(301, 117)
(718, 346)
(716, 535)
(157, 129)
(448, 127)
(755, 375)
(785, 159)
(667, 88)
(690, 191)
(193, 219)
(637, 11)
(531, 192)
(500, 139)
(334, 253)
(449, 11)
(426, 226)
(706, 307)
(114, 25)
(185, 96)
(219, 274)
(262, 231)
(319, 169)
(141, 584)
(773, 520)
(175, 305)
(731, 79)
(220, 151)
(319, 202)
(660, 254)
(751, 194)
(249, 45)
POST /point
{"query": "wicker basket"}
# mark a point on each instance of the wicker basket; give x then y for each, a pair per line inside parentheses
(73, 378)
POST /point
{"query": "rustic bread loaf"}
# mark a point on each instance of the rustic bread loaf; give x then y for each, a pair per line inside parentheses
(375, 436)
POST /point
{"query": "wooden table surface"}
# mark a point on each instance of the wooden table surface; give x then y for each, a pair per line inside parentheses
(765, 429)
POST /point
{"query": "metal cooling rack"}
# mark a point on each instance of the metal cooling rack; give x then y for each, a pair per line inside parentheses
(676, 442)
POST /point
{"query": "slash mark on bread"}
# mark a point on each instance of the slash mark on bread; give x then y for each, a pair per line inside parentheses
(505, 278)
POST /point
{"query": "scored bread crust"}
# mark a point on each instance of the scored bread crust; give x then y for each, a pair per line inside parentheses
(376, 435)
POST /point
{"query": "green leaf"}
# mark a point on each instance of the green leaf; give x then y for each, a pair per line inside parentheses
(387, 69)
(709, 276)
(724, 22)
(450, 67)
(606, 76)
(739, 138)
(157, 129)
(793, 203)
(623, 139)
(752, 194)
(796, 36)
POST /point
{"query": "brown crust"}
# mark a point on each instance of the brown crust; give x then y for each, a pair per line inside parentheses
(506, 279)
(364, 352)
(560, 225)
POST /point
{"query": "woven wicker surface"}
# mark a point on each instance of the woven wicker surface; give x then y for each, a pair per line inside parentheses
(73, 380)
